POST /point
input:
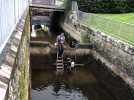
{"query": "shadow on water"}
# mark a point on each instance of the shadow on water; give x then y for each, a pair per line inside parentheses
(79, 85)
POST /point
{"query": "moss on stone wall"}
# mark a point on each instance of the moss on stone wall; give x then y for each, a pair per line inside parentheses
(24, 57)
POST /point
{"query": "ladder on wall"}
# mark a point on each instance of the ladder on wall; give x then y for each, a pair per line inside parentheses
(59, 63)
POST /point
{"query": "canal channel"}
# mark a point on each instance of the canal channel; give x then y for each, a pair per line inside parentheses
(79, 84)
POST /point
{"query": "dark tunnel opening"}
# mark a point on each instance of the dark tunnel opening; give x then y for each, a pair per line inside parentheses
(56, 18)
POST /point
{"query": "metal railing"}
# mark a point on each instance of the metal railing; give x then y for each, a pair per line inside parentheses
(10, 13)
(120, 30)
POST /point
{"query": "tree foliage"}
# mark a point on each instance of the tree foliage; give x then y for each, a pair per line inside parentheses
(114, 6)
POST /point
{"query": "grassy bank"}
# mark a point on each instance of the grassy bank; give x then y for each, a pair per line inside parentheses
(124, 17)
(120, 26)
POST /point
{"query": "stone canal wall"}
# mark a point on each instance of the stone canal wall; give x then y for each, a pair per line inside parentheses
(116, 56)
(14, 63)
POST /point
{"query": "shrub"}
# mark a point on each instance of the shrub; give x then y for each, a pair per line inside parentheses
(106, 6)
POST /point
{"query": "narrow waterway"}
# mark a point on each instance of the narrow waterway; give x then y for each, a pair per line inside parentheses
(78, 85)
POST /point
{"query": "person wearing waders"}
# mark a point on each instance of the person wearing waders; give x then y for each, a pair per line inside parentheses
(60, 42)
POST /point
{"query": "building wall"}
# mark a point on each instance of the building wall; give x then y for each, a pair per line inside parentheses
(14, 63)
(18, 88)
(10, 13)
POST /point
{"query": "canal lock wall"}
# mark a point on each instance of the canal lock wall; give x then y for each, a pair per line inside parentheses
(14, 63)
(43, 55)
(116, 68)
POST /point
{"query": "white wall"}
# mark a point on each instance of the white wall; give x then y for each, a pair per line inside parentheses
(10, 13)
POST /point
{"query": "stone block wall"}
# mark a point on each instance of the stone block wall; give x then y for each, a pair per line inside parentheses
(14, 63)
(116, 60)
(117, 55)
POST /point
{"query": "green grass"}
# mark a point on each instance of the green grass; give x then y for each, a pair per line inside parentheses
(125, 17)
(120, 26)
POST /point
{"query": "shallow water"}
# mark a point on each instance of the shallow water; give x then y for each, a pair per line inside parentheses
(79, 85)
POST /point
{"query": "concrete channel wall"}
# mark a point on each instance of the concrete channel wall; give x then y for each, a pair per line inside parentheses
(115, 53)
(14, 63)
(117, 58)
(10, 13)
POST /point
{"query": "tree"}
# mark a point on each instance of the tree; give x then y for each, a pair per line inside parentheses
(114, 6)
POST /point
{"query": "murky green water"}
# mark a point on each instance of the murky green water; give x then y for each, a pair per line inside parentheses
(79, 85)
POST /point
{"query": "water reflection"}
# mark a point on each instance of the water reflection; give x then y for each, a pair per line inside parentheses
(80, 85)
(49, 93)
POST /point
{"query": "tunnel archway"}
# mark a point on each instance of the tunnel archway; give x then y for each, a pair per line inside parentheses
(56, 18)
